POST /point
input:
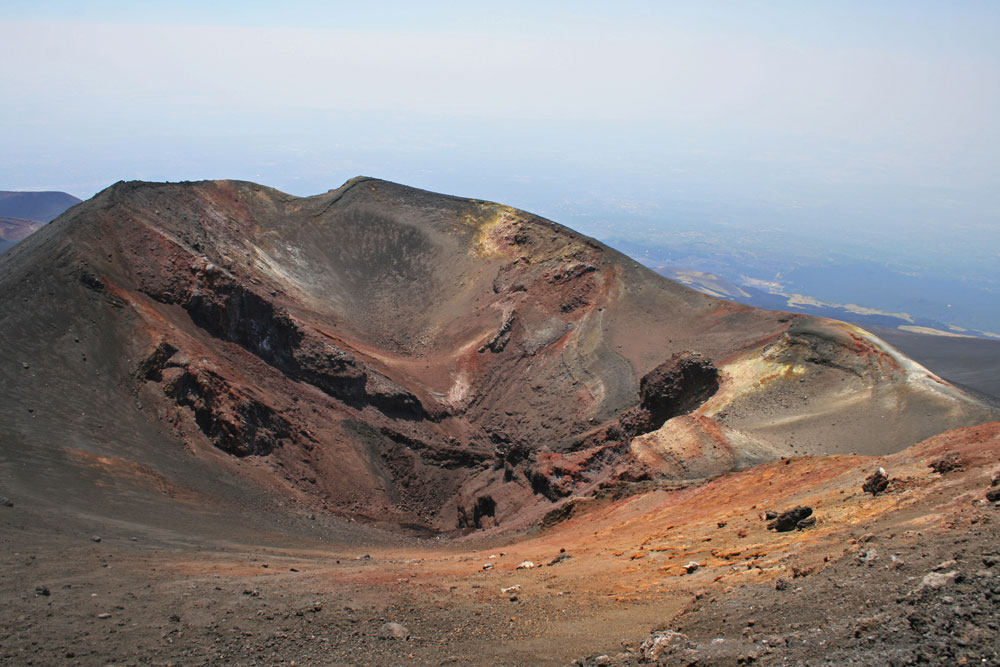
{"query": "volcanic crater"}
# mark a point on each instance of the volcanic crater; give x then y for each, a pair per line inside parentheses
(424, 364)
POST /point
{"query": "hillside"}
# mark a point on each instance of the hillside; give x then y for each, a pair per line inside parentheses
(242, 427)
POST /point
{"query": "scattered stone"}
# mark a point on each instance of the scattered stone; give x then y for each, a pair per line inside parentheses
(174, 618)
(876, 483)
(526, 565)
(692, 567)
(24, 364)
(6, 502)
(770, 515)
(95, 538)
(867, 557)
(488, 566)
(252, 592)
(721, 524)
(515, 587)
(560, 558)
(104, 615)
(947, 463)
(946, 565)
(781, 585)
(993, 495)
(790, 519)
(42, 591)
(935, 580)
(393, 631)
(663, 643)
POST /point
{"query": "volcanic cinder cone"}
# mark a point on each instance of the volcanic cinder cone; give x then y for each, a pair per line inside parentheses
(402, 356)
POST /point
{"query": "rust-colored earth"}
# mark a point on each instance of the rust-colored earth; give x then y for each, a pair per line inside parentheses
(293, 420)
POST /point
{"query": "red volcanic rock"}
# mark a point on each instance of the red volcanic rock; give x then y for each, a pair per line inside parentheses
(947, 463)
(876, 483)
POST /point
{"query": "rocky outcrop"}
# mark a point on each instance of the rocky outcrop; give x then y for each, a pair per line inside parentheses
(231, 418)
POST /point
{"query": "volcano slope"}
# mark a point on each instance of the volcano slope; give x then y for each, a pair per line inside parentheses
(211, 364)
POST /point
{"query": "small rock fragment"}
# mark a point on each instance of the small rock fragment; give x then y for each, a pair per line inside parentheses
(560, 558)
(790, 519)
(5, 502)
(393, 631)
(947, 463)
(525, 565)
(770, 515)
(662, 644)
(95, 538)
(692, 567)
(488, 566)
(42, 591)
(781, 585)
(807, 522)
(993, 495)
(104, 615)
(937, 580)
(876, 483)
(867, 557)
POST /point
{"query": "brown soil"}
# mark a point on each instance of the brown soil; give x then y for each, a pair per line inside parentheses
(279, 586)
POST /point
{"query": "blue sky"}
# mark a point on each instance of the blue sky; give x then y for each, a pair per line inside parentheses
(837, 122)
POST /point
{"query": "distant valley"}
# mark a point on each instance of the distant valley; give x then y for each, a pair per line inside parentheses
(23, 213)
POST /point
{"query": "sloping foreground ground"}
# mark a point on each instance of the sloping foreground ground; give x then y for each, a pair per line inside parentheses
(910, 575)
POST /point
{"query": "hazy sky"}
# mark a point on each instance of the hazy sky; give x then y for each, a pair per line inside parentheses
(872, 116)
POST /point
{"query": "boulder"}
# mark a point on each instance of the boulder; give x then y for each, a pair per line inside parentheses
(790, 519)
